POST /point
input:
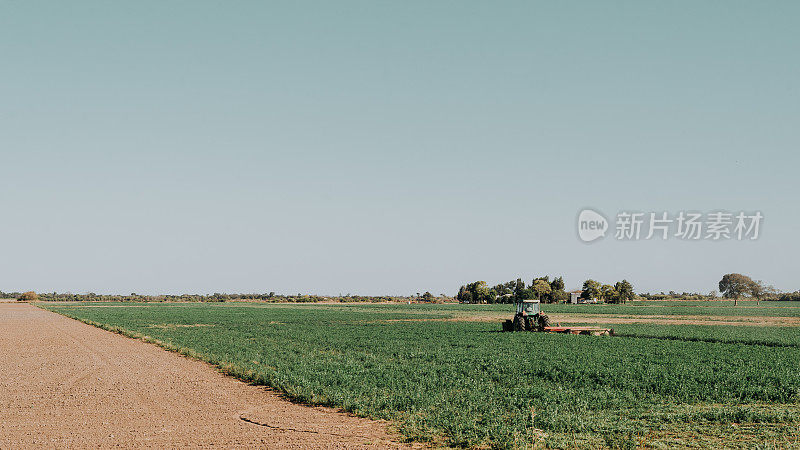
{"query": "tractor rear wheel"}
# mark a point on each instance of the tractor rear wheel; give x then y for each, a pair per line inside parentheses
(544, 321)
(519, 323)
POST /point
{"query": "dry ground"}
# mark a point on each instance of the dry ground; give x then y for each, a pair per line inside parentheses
(67, 384)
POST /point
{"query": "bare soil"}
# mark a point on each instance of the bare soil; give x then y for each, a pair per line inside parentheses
(67, 384)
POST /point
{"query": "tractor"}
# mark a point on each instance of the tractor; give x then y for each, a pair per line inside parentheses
(528, 317)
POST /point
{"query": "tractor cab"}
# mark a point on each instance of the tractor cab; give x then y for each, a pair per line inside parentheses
(528, 307)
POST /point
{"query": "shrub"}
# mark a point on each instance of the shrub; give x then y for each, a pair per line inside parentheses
(29, 296)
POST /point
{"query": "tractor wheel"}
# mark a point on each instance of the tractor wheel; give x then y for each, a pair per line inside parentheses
(530, 323)
(544, 321)
(519, 323)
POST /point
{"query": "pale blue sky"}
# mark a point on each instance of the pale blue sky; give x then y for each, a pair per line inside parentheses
(389, 147)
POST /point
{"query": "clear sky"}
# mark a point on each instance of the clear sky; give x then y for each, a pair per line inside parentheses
(389, 147)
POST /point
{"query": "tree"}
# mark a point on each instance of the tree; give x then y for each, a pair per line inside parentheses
(463, 295)
(557, 284)
(608, 293)
(525, 294)
(502, 289)
(559, 296)
(624, 290)
(480, 291)
(591, 289)
(759, 290)
(545, 278)
(477, 292)
(427, 297)
(29, 296)
(541, 288)
(519, 287)
(735, 285)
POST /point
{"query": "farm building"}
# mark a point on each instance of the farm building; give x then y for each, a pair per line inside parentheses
(575, 298)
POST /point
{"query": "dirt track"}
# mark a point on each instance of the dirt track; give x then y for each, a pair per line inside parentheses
(67, 384)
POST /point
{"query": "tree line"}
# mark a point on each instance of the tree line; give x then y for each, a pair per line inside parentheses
(620, 292)
(270, 297)
(733, 286)
(543, 289)
(672, 295)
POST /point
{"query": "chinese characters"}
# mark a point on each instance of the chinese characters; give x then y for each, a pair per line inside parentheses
(715, 226)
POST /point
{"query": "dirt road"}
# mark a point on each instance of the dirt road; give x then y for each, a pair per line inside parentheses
(67, 384)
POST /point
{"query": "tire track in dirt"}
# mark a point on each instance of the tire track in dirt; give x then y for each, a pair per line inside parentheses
(65, 384)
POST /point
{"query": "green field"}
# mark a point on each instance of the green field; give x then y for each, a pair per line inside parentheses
(444, 378)
(680, 309)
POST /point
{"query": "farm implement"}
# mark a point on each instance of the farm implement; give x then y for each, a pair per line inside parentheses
(529, 317)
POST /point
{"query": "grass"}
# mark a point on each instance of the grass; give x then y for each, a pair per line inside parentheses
(750, 335)
(716, 303)
(464, 384)
(638, 309)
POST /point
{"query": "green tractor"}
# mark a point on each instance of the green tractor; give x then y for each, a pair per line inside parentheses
(529, 317)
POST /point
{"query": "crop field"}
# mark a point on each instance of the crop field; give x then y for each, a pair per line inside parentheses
(680, 310)
(444, 374)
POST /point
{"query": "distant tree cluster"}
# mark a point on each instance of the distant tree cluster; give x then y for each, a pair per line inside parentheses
(271, 297)
(736, 286)
(427, 297)
(541, 288)
(29, 296)
(672, 295)
(733, 286)
(789, 296)
(620, 292)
